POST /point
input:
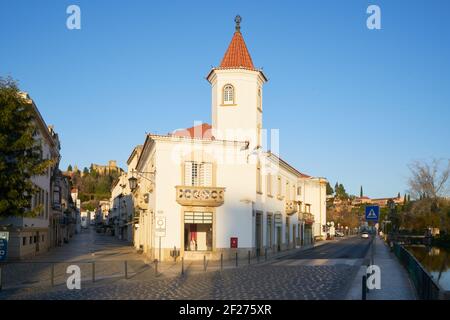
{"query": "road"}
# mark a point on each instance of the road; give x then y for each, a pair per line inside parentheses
(321, 273)
(349, 248)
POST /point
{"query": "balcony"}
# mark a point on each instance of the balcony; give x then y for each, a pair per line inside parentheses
(308, 217)
(290, 207)
(200, 196)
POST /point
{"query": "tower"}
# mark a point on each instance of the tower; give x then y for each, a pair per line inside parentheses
(236, 87)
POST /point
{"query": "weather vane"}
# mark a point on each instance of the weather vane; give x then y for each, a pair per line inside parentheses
(238, 20)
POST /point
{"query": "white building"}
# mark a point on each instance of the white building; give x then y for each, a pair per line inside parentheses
(212, 190)
(30, 236)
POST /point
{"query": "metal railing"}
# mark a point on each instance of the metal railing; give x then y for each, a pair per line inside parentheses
(24, 274)
(426, 288)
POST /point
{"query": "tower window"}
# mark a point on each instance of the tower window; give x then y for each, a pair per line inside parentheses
(228, 94)
(259, 103)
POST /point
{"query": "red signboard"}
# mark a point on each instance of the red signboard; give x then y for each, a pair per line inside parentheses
(233, 242)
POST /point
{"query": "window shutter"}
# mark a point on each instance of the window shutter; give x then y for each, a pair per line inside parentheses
(188, 173)
(206, 174)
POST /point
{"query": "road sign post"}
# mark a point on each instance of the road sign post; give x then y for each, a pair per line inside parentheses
(160, 229)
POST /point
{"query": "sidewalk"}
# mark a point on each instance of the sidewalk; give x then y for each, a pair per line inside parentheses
(395, 283)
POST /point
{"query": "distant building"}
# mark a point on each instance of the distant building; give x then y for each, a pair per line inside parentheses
(382, 202)
(106, 169)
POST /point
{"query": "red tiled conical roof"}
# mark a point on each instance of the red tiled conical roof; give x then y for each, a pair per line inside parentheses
(237, 55)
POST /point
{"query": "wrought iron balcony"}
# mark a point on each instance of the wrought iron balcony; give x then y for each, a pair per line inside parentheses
(291, 207)
(200, 196)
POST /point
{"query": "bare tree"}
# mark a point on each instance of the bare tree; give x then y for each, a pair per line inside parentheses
(429, 180)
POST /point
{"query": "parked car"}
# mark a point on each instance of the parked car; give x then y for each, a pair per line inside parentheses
(339, 234)
(365, 235)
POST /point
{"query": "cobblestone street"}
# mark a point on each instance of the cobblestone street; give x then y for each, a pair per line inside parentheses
(254, 282)
(298, 275)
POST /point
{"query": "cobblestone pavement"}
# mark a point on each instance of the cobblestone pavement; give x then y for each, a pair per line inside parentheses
(300, 274)
(253, 282)
(108, 253)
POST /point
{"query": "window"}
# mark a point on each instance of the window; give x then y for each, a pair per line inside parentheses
(258, 178)
(279, 186)
(43, 238)
(198, 174)
(269, 184)
(269, 230)
(31, 240)
(259, 102)
(288, 191)
(24, 241)
(299, 191)
(228, 94)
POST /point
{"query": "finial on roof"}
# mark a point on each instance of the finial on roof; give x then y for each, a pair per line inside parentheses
(238, 20)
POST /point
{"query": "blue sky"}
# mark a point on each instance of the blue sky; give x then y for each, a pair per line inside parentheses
(352, 104)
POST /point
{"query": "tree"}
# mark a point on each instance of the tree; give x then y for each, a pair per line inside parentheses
(330, 190)
(340, 192)
(361, 192)
(69, 168)
(20, 155)
(428, 180)
(404, 199)
(85, 171)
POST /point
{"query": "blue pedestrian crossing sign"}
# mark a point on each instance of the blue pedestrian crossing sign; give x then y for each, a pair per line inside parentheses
(372, 213)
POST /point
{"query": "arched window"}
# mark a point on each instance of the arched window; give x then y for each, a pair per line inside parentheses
(228, 94)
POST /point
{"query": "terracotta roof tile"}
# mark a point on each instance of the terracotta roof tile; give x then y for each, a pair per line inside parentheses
(237, 55)
(202, 131)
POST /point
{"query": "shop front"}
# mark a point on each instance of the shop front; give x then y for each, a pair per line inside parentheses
(198, 231)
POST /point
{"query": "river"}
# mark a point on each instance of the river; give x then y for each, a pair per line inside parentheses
(435, 260)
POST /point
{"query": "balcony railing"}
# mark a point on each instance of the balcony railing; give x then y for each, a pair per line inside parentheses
(200, 196)
(291, 207)
(308, 217)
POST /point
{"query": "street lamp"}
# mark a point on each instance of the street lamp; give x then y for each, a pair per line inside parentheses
(133, 180)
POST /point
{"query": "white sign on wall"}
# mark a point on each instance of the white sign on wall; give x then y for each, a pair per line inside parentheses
(160, 225)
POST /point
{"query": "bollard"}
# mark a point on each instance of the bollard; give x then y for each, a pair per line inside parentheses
(53, 275)
(236, 259)
(126, 270)
(93, 271)
(265, 254)
(249, 257)
(156, 267)
(221, 261)
(204, 263)
(364, 283)
(182, 265)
